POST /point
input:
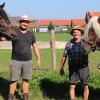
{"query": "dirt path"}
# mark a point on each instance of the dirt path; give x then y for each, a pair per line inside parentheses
(41, 44)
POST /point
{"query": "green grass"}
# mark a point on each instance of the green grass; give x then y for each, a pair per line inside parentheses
(46, 59)
(48, 84)
(47, 36)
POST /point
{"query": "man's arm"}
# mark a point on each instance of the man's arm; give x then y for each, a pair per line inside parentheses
(63, 60)
(64, 57)
(36, 50)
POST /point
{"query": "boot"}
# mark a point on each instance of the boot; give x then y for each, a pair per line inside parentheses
(11, 97)
(25, 96)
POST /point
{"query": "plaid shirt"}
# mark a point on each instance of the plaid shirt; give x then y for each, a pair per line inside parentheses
(76, 53)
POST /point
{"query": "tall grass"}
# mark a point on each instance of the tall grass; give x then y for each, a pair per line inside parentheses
(47, 84)
(46, 59)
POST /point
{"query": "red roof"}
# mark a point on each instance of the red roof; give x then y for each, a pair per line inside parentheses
(54, 22)
(59, 22)
(30, 25)
(96, 13)
(43, 22)
(78, 22)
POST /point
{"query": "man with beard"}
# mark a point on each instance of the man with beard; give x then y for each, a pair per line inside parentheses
(22, 57)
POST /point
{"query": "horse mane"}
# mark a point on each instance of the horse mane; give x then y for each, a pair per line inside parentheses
(92, 24)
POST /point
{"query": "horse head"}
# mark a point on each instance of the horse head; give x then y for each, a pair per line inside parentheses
(6, 29)
(92, 31)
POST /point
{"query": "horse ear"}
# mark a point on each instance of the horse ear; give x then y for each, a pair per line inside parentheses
(86, 18)
(2, 5)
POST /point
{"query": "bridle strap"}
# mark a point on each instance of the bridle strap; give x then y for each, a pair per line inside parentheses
(93, 45)
(87, 42)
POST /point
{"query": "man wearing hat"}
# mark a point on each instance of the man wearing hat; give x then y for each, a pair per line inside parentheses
(22, 57)
(77, 62)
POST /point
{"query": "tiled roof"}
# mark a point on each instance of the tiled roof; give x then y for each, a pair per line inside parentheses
(58, 22)
(79, 22)
(43, 22)
(54, 22)
(30, 25)
(96, 13)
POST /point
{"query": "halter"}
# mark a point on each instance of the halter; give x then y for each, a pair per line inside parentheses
(92, 45)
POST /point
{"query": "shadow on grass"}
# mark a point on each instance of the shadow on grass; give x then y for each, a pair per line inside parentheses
(4, 89)
(53, 90)
(60, 91)
(94, 94)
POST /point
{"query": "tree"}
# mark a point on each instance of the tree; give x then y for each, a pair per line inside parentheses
(50, 26)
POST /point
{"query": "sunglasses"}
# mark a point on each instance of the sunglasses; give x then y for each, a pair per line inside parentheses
(24, 21)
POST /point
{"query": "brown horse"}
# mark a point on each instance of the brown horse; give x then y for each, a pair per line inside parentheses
(6, 29)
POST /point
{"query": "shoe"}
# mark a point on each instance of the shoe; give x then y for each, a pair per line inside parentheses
(11, 97)
(25, 96)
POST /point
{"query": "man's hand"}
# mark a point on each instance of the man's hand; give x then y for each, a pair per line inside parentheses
(38, 63)
(61, 71)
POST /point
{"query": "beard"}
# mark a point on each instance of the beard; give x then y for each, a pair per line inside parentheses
(23, 29)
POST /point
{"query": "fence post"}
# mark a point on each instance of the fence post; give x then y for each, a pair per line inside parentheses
(52, 42)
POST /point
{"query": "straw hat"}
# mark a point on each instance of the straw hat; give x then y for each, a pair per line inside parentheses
(77, 28)
(24, 18)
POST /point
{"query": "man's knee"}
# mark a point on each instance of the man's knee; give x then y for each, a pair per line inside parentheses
(25, 80)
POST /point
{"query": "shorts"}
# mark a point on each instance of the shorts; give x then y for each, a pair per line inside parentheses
(79, 73)
(19, 68)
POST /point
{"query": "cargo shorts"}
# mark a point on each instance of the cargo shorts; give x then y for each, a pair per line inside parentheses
(18, 68)
(77, 72)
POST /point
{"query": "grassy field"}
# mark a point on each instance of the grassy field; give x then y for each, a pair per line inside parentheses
(46, 59)
(47, 36)
(47, 84)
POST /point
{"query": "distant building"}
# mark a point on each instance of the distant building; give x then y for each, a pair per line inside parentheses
(41, 25)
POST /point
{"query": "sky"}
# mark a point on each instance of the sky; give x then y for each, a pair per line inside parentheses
(51, 9)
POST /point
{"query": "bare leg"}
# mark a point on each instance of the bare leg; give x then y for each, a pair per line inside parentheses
(25, 86)
(12, 90)
(72, 91)
(85, 92)
(25, 89)
(12, 87)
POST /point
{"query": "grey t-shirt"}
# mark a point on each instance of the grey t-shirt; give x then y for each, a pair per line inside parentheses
(21, 46)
